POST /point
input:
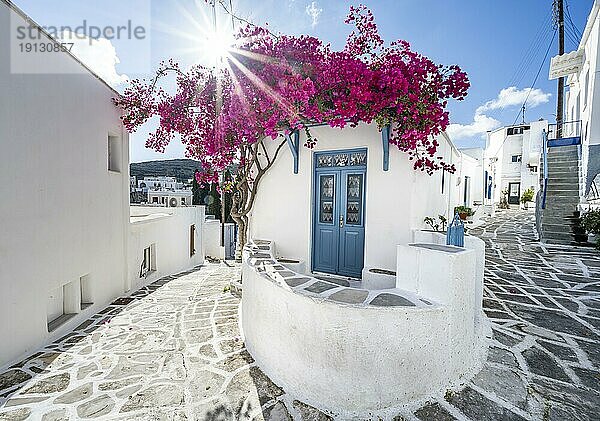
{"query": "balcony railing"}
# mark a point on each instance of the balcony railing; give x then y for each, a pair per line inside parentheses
(564, 134)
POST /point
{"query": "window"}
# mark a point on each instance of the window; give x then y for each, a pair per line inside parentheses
(149, 261)
(62, 304)
(516, 130)
(114, 154)
(85, 290)
(192, 240)
(533, 168)
(516, 158)
(155, 200)
(183, 200)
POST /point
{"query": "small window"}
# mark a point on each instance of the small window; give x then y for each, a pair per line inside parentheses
(192, 240)
(183, 200)
(114, 154)
(516, 158)
(155, 200)
(85, 290)
(533, 168)
(149, 261)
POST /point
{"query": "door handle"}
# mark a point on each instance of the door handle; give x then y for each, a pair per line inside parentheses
(341, 221)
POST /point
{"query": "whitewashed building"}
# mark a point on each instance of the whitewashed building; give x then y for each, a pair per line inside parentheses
(582, 105)
(67, 250)
(378, 207)
(512, 161)
(159, 183)
(170, 198)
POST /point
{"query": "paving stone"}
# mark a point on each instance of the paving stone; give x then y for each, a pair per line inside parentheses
(562, 352)
(588, 377)
(78, 394)
(433, 411)
(294, 282)
(505, 384)
(309, 413)
(204, 384)
(15, 415)
(155, 396)
(235, 361)
(541, 363)
(51, 384)
(477, 407)
(502, 356)
(118, 384)
(277, 412)
(96, 407)
(13, 378)
(350, 296)
(390, 300)
(249, 390)
(319, 287)
(56, 415)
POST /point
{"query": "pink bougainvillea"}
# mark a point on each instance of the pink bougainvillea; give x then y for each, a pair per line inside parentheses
(273, 83)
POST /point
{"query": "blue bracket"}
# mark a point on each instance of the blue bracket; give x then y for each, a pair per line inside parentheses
(385, 137)
(294, 147)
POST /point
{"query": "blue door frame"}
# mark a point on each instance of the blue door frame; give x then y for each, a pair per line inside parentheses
(339, 192)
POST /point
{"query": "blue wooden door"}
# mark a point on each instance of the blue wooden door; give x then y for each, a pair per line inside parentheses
(339, 214)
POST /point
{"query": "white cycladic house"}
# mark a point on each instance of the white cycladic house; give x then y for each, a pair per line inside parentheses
(159, 183)
(67, 250)
(170, 198)
(343, 212)
(512, 159)
(582, 106)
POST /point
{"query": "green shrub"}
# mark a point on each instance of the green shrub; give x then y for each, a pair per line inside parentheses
(591, 222)
(527, 196)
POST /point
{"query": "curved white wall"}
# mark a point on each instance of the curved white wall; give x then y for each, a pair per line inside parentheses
(352, 359)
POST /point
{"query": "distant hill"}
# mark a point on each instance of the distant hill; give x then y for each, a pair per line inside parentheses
(182, 169)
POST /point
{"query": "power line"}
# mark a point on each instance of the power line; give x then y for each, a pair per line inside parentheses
(537, 75)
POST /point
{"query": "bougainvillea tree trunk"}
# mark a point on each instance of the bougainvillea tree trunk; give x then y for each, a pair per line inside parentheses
(244, 187)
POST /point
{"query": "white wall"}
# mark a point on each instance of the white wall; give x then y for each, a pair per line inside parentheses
(64, 215)
(396, 200)
(169, 230)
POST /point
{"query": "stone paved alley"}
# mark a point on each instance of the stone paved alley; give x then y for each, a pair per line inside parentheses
(172, 351)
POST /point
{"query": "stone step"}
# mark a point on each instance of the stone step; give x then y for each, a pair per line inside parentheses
(567, 176)
(559, 228)
(563, 167)
(559, 236)
(555, 220)
(562, 160)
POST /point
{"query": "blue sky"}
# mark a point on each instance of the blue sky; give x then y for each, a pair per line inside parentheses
(500, 44)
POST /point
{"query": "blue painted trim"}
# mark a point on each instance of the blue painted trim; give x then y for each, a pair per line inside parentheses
(545, 161)
(565, 141)
(294, 148)
(385, 137)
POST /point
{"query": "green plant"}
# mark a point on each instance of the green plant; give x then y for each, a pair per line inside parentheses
(527, 195)
(464, 210)
(435, 225)
(504, 200)
(591, 222)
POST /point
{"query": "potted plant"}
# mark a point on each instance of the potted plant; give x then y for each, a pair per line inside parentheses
(527, 197)
(464, 212)
(504, 200)
(591, 222)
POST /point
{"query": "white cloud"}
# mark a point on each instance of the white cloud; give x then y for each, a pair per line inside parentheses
(480, 125)
(507, 98)
(314, 11)
(512, 96)
(99, 55)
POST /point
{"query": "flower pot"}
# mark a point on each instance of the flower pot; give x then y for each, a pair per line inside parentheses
(463, 215)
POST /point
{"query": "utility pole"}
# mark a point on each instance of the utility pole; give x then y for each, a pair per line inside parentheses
(559, 21)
